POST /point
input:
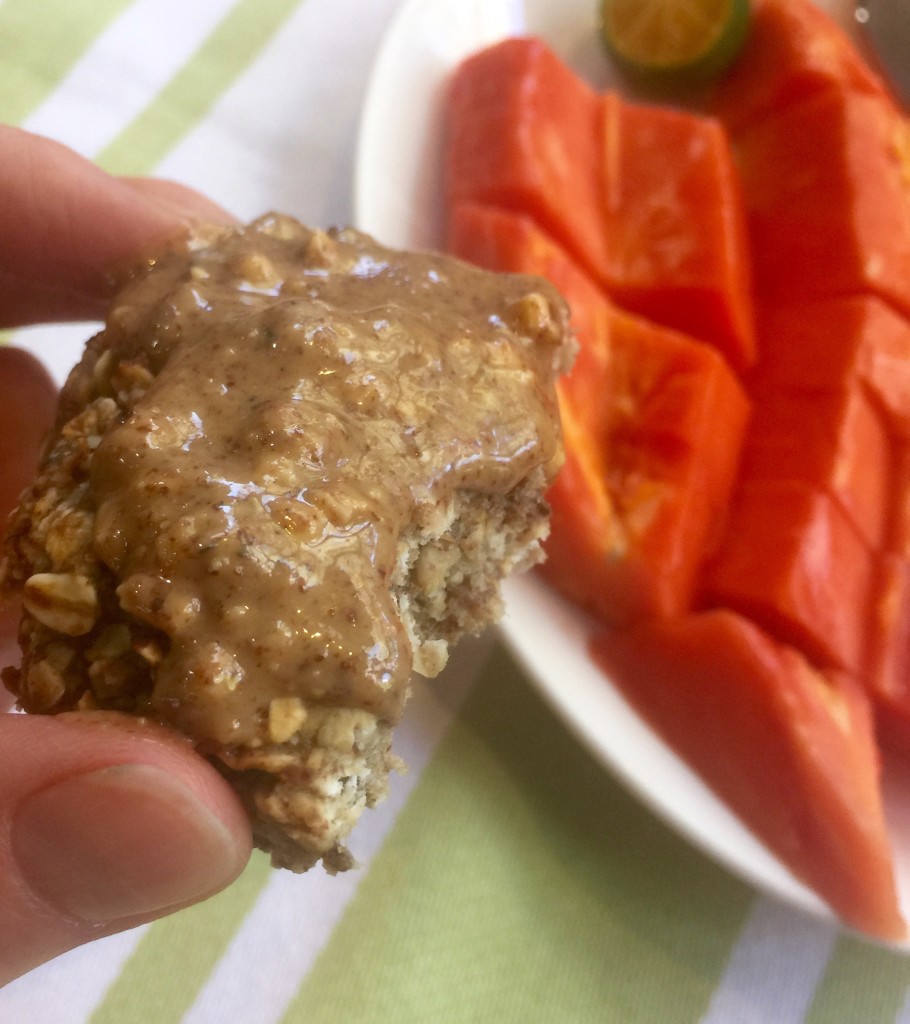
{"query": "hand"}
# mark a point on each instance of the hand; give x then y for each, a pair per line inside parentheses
(105, 823)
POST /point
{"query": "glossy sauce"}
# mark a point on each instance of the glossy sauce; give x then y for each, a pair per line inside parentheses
(313, 394)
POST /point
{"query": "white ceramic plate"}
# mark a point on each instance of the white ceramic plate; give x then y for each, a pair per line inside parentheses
(397, 200)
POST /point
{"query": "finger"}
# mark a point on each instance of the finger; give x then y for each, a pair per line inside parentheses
(65, 224)
(185, 202)
(109, 823)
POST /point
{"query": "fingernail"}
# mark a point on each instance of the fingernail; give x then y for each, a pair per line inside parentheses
(123, 841)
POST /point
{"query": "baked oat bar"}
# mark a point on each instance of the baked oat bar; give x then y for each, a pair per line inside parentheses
(292, 469)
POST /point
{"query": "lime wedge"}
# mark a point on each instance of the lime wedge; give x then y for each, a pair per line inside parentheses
(674, 43)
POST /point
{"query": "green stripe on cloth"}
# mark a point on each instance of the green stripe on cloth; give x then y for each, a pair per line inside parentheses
(162, 978)
(30, 74)
(515, 859)
(189, 95)
(862, 982)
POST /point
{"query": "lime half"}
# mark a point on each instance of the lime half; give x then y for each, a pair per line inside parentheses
(674, 42)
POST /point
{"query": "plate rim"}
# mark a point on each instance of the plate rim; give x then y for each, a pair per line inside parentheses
(771, 876)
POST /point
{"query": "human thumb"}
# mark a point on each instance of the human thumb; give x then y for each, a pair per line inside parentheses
(105, 823)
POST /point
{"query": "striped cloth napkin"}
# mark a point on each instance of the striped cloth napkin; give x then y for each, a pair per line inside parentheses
(508, 878)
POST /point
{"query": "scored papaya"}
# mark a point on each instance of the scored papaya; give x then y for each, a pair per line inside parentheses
(826, 345)
(524, 133)
(826, 190)
(794, 51)
(835, 442)
(677, 243)
(653, 423)
(794, 563)
(669, 440)
(886, 668)
(789, 749)
(617, 202)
